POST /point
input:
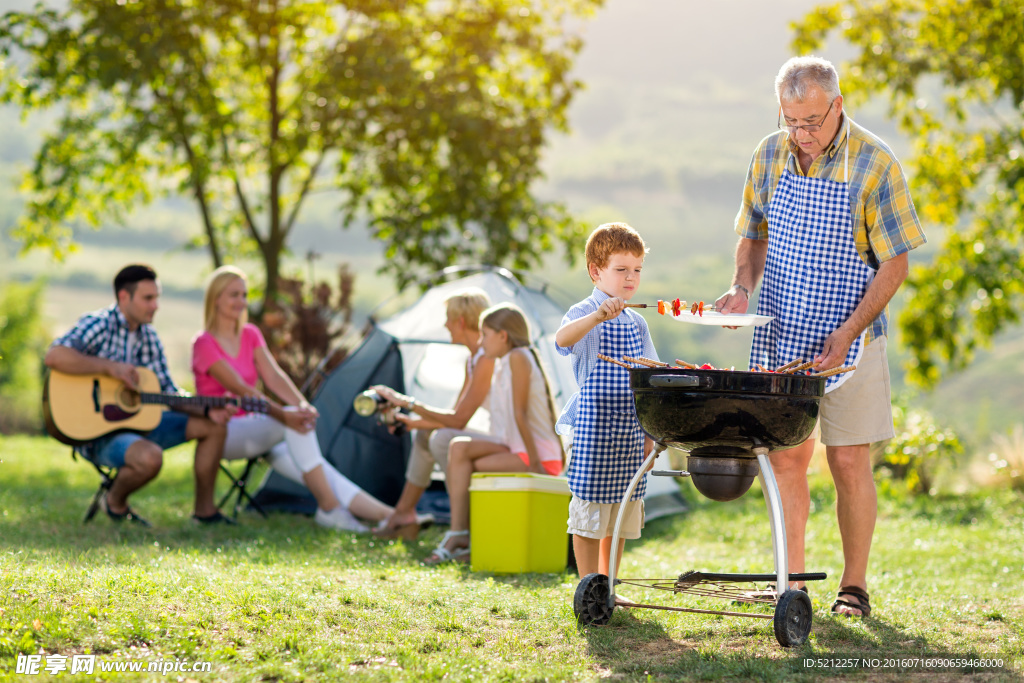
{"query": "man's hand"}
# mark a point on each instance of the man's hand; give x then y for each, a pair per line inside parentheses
(611, 308)
(125, 372)
(833, 353)
(733, 301)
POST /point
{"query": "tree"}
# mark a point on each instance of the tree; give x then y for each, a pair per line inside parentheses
(427, 117)
(953, 71)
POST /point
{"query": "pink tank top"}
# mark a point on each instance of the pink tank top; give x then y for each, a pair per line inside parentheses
(206, 351)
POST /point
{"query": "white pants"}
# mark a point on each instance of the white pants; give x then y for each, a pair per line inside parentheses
(429, 447)
(289, 453)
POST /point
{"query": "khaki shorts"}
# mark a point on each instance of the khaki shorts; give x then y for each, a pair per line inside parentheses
(597, 520)
(860, 410)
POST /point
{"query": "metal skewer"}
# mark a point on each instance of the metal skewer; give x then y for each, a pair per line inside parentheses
(835, 371)
(612, 360)
(645, 361)
(800, 368)
(789, 365)
(668, 306)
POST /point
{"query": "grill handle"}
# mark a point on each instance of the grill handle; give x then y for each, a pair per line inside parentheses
(679, 381)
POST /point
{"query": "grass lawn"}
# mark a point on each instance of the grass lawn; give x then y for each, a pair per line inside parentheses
(285, 600)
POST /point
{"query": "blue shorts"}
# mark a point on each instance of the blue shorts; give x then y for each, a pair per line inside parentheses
(108, 451)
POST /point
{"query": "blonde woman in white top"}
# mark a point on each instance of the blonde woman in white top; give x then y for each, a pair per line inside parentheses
(522, 424)
(434, 428)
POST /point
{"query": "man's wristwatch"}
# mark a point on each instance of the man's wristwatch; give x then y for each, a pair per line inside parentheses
(746, 291)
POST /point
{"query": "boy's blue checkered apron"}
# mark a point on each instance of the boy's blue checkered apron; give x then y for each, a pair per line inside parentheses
(608, 443)
(814, 278)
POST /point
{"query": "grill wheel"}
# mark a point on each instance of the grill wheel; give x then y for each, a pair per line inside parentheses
(793, 618)
(590, 603)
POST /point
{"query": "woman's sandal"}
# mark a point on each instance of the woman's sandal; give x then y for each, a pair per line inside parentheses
(441, 554)
(406, 532)
(864, 604)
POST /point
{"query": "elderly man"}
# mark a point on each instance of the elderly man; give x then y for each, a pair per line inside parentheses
(827, 221)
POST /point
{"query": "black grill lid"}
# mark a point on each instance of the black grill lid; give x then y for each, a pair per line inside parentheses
(728, 381)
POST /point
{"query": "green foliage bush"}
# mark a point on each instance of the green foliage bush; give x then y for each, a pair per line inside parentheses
(908, 463)
(23, 342)
(1004, 467)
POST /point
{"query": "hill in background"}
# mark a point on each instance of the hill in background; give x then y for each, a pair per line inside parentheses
(677, 95)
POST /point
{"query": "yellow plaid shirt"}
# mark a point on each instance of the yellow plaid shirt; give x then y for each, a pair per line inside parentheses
(885, 223)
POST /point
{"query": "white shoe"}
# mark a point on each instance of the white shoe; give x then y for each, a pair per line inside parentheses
(340, 518)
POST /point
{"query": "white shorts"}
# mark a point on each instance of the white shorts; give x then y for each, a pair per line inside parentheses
(597, 520)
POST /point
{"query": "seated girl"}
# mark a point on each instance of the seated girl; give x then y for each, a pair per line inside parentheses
(523, 417)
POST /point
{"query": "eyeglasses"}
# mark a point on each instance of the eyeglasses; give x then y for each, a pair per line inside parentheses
(810, 127)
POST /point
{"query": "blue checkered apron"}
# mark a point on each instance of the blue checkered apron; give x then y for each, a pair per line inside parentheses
(608, 443)
(814, 278)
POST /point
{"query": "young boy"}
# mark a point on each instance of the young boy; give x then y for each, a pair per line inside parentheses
(608, 444)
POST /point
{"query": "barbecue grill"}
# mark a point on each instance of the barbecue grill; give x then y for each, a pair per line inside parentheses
(727, 422)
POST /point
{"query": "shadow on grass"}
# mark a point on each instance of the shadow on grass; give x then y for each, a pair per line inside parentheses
(632, 645)
(43, 513)
(843, 635)
(875, 644)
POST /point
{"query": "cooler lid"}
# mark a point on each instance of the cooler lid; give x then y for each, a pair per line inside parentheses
(519, 481)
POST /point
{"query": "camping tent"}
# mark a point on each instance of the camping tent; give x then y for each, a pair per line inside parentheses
(412, 352)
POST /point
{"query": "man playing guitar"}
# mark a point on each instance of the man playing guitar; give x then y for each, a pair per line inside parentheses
(113, 341)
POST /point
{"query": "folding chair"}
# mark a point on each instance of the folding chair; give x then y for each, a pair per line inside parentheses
(107, 475)
(238, 487)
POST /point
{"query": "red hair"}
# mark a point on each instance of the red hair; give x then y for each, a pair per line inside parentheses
(613, 238)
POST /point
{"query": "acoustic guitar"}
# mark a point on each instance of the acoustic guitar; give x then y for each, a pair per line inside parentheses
(81, 408)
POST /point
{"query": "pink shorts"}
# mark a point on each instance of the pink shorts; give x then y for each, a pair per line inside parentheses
(553, 467)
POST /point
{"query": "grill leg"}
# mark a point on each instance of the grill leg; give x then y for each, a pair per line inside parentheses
(775, 515)
(658, 448)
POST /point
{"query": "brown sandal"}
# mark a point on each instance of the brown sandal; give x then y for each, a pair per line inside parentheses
(864, 604)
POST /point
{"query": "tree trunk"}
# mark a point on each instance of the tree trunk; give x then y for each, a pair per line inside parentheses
(271, 251)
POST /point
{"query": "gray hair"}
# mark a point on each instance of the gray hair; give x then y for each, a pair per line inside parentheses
(801, 73)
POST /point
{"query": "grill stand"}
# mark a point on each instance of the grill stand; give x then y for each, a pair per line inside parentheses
(613, 555)
(792, 617)
(773, 500)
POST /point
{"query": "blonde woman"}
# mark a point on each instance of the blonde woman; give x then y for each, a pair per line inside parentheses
(231, 357)
(434, 428)
(522, 435)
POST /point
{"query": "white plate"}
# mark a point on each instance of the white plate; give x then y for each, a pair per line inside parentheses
(722, 319)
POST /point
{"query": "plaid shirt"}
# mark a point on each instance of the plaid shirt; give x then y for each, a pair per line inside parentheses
(584, 352)
(885, 223)
(104, 333)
